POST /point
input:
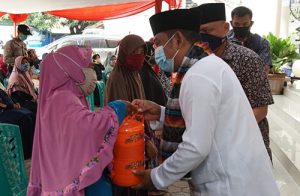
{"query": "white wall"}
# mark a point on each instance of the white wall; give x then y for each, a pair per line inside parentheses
(6, 33)
(268, 15)
(136, 24)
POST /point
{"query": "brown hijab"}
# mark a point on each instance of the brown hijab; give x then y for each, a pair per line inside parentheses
(123, 83)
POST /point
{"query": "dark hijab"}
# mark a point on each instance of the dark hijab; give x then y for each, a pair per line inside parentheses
(151, 83)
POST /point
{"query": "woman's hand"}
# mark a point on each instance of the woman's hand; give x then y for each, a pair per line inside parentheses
(122, 108)
(149, 109)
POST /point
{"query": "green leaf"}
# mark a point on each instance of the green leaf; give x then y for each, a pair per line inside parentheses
(282, 51)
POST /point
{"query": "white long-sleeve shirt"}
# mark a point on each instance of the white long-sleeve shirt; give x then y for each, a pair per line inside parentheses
(222, 145)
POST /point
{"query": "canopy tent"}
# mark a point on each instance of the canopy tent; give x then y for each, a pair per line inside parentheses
(80, 9)
(104, 12)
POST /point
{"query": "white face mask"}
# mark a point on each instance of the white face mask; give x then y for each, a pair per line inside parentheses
(90, 81)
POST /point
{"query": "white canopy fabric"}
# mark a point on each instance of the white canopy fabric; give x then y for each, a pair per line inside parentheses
(29, 6)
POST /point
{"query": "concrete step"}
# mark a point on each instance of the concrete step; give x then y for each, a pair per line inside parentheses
(287, 108)
(284, 120)
(285, 183)
(292, 91)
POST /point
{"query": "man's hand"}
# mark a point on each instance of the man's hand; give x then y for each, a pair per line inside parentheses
(260, 113)
(151, 150)
(146, 182)
(149, 109)
(17, 106)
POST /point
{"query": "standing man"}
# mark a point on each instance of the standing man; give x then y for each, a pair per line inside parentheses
(221, 143)
(16, 47)
(241, 22)
(246, 64)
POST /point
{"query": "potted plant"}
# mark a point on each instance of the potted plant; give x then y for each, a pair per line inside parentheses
(283, 51)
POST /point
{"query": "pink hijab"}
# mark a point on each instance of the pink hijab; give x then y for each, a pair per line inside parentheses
(20, 81)
(72, 145)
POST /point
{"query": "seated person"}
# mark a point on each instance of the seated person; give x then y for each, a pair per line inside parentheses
(34, 70)
(20, 86)
(3, 69)
(110, 66)
(98, 67)
(12, 113)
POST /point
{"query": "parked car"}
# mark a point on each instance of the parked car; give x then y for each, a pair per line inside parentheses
(41, 38)
(94, 31)
(100, 44)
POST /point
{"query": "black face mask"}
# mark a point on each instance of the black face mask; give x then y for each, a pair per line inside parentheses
(213, 41)
(241, 32)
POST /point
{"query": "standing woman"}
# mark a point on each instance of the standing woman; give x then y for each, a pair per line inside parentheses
(125, 83)
(72, 145)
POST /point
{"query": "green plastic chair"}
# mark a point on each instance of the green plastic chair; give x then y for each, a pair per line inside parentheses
(101, 88)
(5, 82)
(13, 178)
(104, 77)
(90, 99)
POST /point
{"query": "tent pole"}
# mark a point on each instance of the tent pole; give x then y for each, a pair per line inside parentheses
(15, 29)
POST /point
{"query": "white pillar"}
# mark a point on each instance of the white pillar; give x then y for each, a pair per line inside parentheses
(278, 17)
(285, 19)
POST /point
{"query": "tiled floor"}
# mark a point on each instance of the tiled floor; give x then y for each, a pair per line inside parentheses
(285, 183)
(284, 120)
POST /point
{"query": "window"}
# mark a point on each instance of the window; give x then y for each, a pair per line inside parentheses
(95, 43)
(112, 43)
(67, 43)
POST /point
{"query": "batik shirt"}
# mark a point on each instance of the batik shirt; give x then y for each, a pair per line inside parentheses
(249, 69)
(256, 43)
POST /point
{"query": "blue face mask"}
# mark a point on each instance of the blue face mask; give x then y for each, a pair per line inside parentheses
(25, 67)
(23, 37)
(165, 64)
